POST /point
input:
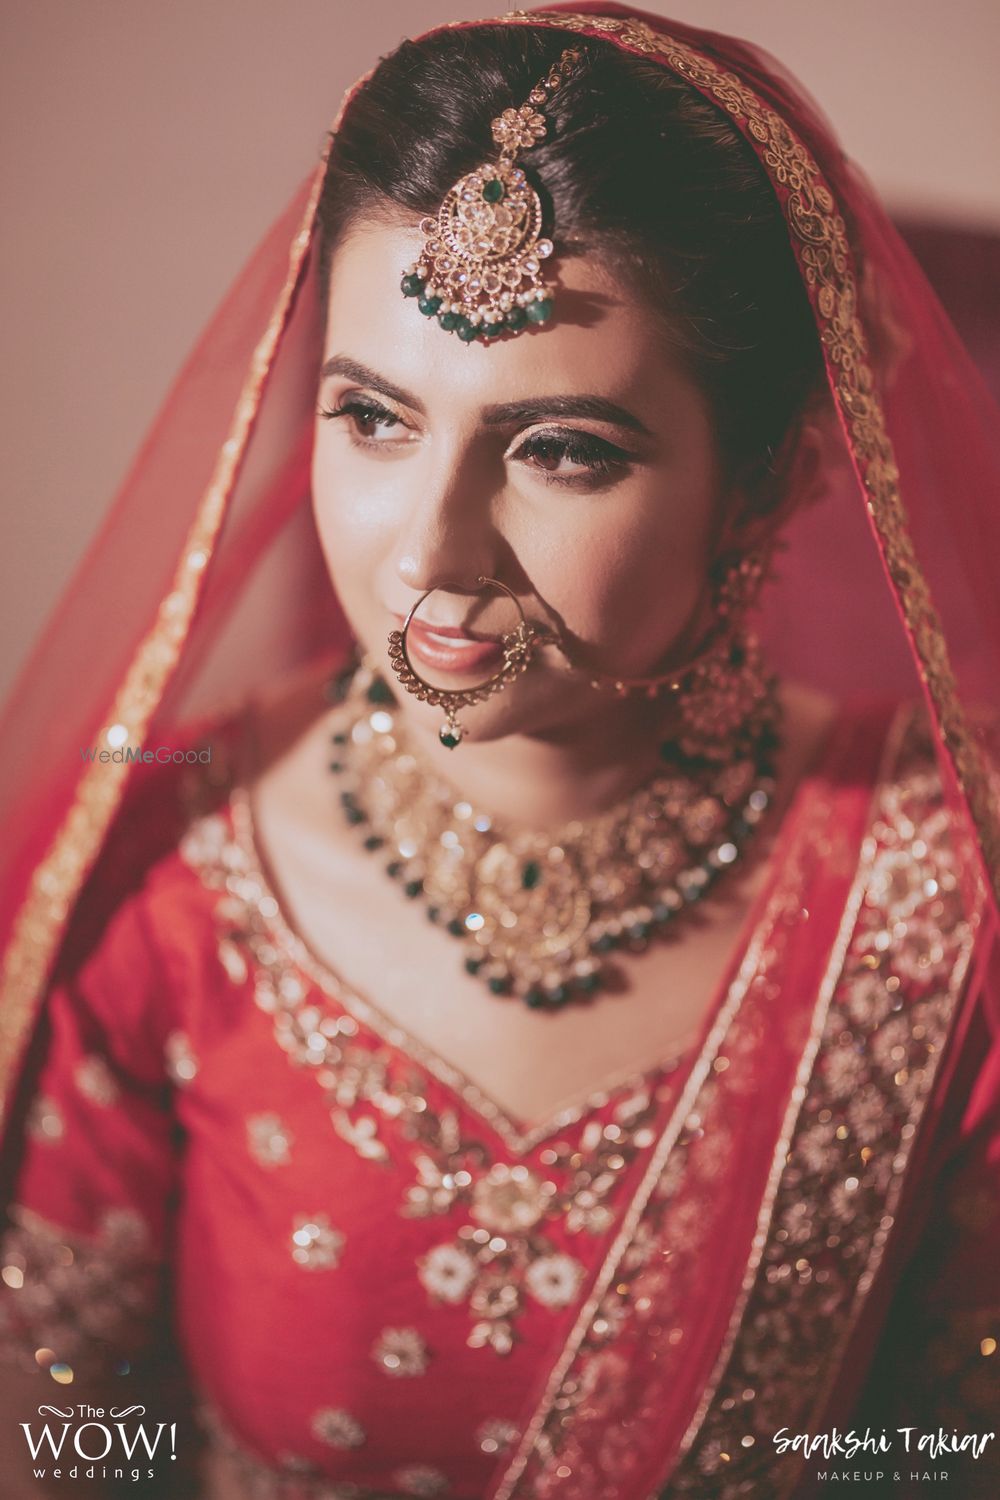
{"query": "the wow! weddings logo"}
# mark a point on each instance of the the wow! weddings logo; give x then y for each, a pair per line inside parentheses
(85, 1442)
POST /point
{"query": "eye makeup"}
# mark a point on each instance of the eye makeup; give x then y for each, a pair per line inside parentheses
(556, 454)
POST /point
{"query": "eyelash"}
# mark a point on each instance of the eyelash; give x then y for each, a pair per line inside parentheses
(599, 458)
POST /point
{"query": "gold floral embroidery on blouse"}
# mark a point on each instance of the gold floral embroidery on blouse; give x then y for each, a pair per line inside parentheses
(503, 1256)
(315, 1244)
(400, 1352)
(300, 1479)
(337, 1428)
(495, 1435)
(291, 1474)
(269, 1139)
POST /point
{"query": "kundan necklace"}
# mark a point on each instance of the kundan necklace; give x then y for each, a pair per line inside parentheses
(539, 913)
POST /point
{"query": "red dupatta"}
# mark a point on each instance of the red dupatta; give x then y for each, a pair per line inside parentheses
(736, 1300)
(205, 575)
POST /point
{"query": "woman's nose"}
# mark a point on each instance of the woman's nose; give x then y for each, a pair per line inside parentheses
(449, 533)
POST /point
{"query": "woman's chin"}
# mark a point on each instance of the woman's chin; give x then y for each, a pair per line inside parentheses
(481, 722)
(547, 707)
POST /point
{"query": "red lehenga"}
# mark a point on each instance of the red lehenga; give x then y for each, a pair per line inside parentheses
(379, 1284)
(383, 1285)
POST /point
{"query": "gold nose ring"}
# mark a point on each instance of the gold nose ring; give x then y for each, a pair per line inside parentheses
(517, 645)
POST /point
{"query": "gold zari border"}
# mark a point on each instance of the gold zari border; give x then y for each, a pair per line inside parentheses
(842, 1160)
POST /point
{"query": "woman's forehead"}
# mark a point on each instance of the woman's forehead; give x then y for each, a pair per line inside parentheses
(601, 339)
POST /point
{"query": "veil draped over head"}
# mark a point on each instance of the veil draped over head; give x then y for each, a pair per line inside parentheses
(205, 582)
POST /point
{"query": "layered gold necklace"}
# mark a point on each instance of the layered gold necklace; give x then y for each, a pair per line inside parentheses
(540, 913)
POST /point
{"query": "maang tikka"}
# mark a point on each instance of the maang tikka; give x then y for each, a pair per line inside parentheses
(480, 269)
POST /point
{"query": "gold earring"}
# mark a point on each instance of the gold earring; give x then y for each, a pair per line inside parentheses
(517, 644)
(725, 689)
(728, 690)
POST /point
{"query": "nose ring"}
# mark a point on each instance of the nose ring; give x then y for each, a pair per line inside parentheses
(518, 646)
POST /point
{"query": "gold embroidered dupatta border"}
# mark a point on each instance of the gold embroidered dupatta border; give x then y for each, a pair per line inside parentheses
(824, 1226)
(858, 1092)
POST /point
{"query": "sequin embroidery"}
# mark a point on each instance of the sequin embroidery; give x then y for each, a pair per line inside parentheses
(400, 1352)
(315, 1244)
(503, 1255)
(269, 1140)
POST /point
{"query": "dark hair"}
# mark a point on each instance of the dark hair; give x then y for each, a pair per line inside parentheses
(637, 166)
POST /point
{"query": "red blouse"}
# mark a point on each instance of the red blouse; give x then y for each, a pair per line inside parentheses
(380, 1283)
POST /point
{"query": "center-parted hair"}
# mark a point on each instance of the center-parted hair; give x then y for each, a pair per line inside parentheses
(637, 169)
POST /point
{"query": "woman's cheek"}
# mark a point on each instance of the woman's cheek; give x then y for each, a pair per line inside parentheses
(350, 553)
(354, 520)
(628, 589)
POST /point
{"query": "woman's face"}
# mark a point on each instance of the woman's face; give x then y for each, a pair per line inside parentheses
(576, 464)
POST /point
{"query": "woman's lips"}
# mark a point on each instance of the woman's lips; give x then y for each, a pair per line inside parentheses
(448, 650)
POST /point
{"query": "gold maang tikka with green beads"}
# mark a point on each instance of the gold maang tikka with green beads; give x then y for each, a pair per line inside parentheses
(479, 272)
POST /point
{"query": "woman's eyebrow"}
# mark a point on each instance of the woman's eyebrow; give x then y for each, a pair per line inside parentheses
(538, 408)
(504, 414)
(352, 369)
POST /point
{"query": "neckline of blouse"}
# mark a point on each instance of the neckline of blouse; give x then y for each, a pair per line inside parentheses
(517, 1134)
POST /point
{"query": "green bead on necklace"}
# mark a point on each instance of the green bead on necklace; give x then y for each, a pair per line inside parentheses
(544, 915)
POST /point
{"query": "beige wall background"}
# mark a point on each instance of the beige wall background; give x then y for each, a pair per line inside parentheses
(147, 145)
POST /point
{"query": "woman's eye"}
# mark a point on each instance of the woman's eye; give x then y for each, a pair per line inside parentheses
(571, 456)
(371, 421)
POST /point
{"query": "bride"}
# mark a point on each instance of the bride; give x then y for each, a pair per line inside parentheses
(502, 1007)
